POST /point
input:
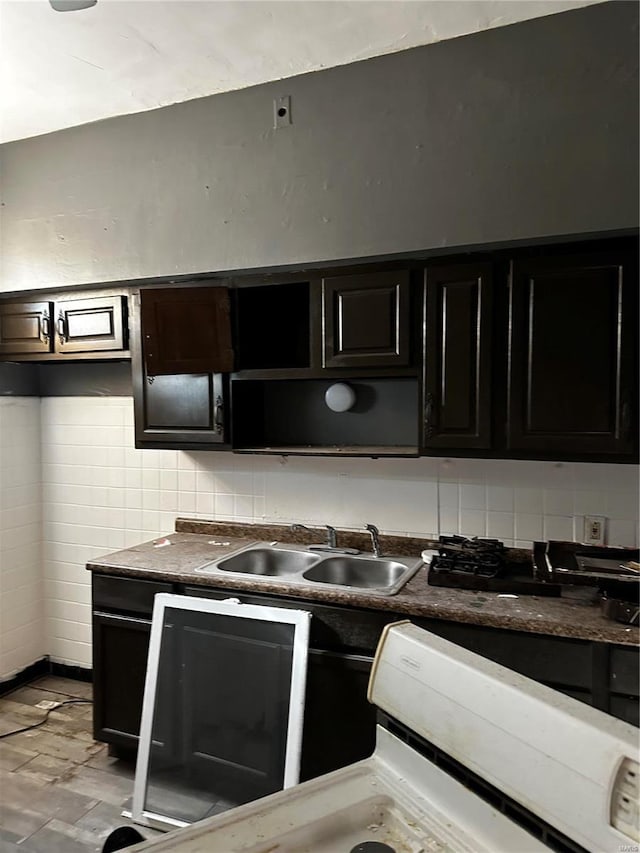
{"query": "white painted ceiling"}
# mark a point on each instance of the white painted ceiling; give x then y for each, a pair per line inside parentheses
(123, 56)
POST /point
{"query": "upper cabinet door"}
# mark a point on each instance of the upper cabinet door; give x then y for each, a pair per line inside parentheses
(25, 327)
(186, 330)
(366, 320)
(573, 333)
(91, 325)
(457, 377)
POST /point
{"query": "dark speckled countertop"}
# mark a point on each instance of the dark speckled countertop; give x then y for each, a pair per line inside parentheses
(196, 543)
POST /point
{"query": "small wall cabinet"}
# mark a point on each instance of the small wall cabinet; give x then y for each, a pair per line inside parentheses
(25, 327)
(186, 330)
(180, 408)
(366, 320)
(572, 357)
(62, 328)
(458, 356)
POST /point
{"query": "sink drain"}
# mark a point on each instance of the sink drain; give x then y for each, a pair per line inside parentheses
(372, 847)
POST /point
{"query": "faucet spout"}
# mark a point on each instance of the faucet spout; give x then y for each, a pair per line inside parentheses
(375, 540)
(331, 545)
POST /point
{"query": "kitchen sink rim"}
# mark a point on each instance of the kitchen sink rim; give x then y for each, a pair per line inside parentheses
(412, 565)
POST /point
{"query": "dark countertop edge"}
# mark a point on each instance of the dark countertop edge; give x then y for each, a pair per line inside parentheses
(389, 604)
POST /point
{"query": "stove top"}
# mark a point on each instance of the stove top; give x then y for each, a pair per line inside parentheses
(482, 564)
(394, 802)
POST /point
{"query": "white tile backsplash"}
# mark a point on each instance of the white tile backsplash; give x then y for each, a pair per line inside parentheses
(100, 494)
(22, 628)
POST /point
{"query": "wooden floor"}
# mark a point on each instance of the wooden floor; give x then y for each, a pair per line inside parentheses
(60, 792)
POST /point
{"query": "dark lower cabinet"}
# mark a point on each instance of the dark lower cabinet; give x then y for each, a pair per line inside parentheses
(572, 355)
(120, 648)
(339, 725)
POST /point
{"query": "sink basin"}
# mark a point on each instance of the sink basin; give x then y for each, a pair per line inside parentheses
(268, 561)
(361, 572)
(297, 565)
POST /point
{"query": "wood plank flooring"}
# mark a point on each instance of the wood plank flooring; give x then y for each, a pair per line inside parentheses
(60, 792)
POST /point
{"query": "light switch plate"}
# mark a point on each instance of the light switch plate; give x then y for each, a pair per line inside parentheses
(594, 529)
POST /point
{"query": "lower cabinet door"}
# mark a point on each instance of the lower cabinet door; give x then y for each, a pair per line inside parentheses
(120, 648)
(339, 724)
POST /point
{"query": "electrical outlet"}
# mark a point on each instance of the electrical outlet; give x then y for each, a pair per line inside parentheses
(594, 526)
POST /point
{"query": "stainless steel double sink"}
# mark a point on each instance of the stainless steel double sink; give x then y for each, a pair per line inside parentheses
(296, 564)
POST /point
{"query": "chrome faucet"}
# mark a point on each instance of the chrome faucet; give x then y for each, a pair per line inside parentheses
(331, 543)
(375, 540)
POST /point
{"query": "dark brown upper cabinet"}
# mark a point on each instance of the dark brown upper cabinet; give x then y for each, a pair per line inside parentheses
(458, 347)
(184, 409)
(366, 320)
(186, 330)
(572, 355)
(94, 324)
(89, 327)
(180, 411)
(25, 327)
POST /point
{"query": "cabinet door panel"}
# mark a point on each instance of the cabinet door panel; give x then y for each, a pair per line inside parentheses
(120, 648)
(186, 330)
(457, 406)
(366, 320)
(25, 327)
(90, 325)
(183, 408)
(572, 330)
(339, 725)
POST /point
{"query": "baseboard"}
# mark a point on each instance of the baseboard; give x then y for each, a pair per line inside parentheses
(45, 667)
(65, 670)
(29, 673)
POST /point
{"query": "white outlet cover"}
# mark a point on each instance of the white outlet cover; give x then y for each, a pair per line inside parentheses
(594, 529)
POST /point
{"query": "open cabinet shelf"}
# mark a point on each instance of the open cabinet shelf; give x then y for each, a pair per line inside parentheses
(291, 416)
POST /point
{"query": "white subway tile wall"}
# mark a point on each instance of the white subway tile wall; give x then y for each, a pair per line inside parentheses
(22, 630)
(100, 495)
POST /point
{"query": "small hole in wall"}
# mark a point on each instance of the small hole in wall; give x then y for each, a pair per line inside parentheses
(282, 111)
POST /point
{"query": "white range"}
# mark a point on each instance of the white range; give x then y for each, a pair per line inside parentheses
(470, 756)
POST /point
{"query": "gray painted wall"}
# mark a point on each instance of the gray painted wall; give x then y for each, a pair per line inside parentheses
(516, 133)
(86, 379)
(19, 380)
